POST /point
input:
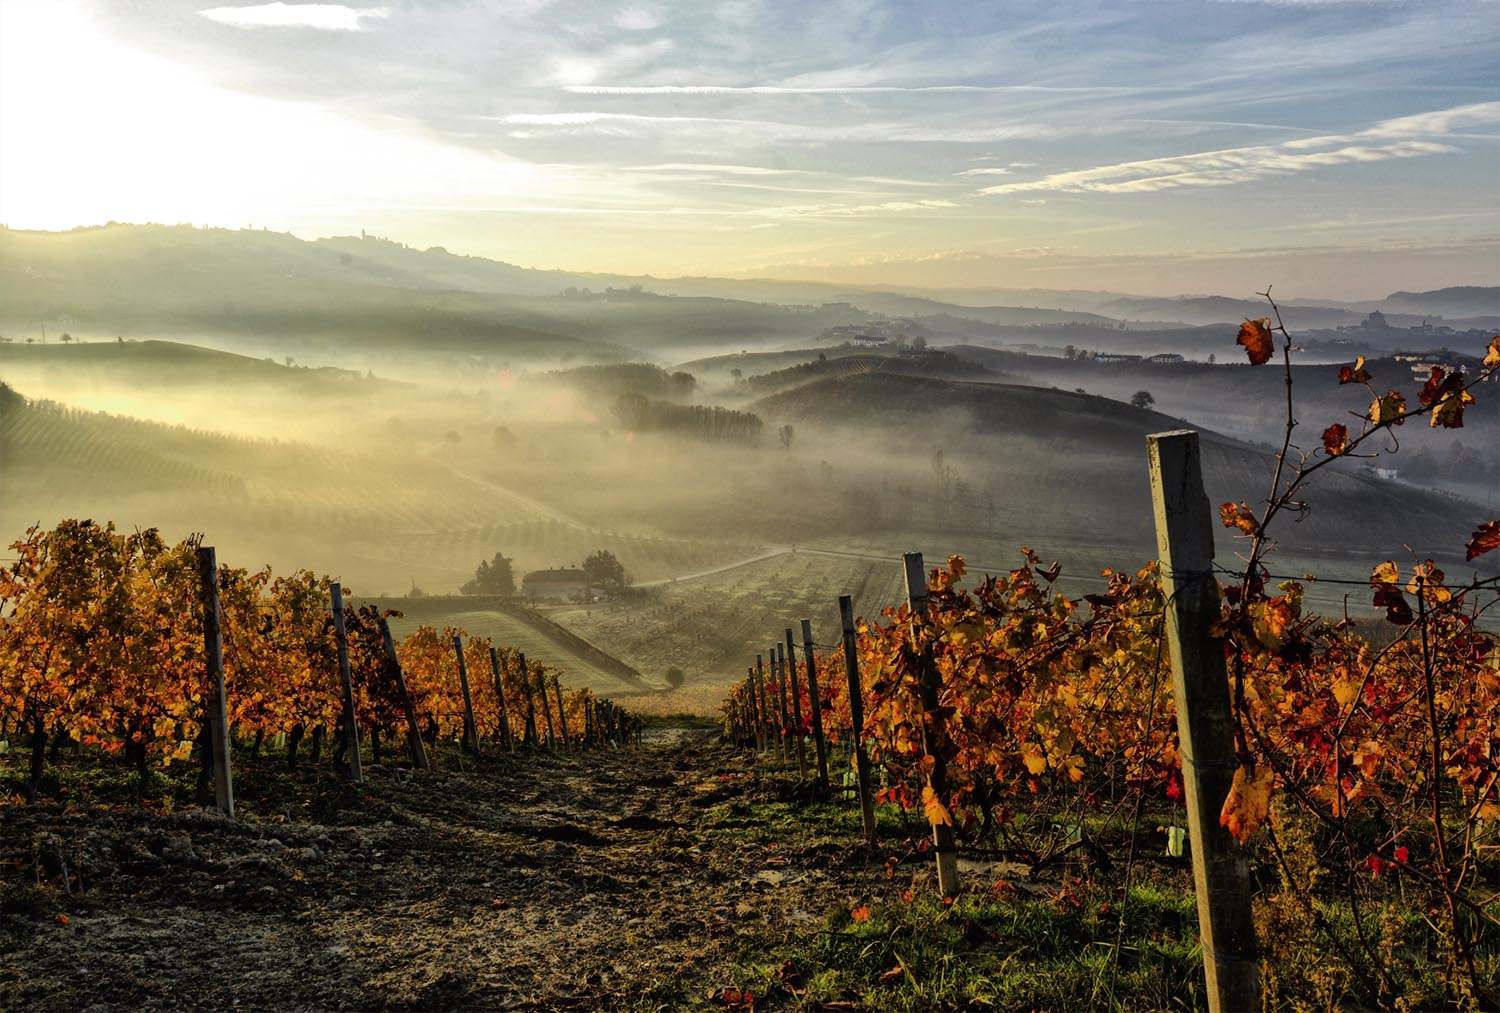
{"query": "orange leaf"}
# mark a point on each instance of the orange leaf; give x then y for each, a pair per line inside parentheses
(1255, 335)
(1485, 538)
(62, 919)
(892, 976)
(1239, 517)
(1336, 439)
(1248, 802)
(1358, 374)
(1492, 354)
(860, 914)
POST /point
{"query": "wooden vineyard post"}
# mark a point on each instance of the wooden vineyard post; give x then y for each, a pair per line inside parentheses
(752, 712)
(562, 714)
(413, 728)
(857, 717)
(765, 712)
(778, 666)
(541, 684)
(213, 653)
(471, 730)
(531, 733)
(1205, 726)
(506, 738)
(351, 725)
(796, 693)
(815, 702)
(932, 729)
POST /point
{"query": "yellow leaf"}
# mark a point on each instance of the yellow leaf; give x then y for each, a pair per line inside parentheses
(933, 809)
(1248, 802)
(1034, 760)
(1346, 691)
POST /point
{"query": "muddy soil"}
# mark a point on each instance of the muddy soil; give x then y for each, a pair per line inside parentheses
(525, 883)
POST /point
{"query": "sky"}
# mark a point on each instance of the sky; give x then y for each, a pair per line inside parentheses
(1336, 148)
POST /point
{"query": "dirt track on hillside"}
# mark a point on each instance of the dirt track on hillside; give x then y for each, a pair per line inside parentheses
(532, 883)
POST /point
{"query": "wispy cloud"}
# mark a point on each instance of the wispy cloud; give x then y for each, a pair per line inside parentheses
(744, 131)
(1399, 138)
(892, 89)
(328, 17)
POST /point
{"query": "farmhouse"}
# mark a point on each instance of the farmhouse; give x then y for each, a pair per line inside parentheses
(556, 585)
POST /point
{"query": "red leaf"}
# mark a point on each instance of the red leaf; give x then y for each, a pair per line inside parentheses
(1255, 335)
(1484, 539)
(1336, 439)
(1355, 374)
(1402, 854)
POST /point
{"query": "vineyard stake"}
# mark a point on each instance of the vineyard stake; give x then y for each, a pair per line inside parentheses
(857, 717)
(413, 729)
(765, 711)
(815, 703)
(751, 710)
(778, 666)
(505, 735)
(562, 714)
(1205, 727)
(541, 688)
(218, 705)
(351, 727)
(471, 730)
(531, 734)
(796, 693)
(932, 725)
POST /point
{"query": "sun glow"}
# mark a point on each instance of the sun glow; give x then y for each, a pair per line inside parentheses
(92, 130)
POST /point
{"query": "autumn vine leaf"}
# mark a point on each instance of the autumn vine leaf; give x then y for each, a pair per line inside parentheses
(1492, 354)
(1239, 516)
(1444, 393)
(1248, 802)
(1388, 409)
(1336, 439)
(1255, 335)
(1485, 538)
(1355, 374)
(1386, 580)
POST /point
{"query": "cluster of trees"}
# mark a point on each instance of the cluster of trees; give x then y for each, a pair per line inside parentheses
(701, 422)
(634, 377)
(497, 576)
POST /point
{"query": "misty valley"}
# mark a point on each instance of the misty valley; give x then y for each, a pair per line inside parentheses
(395, 417)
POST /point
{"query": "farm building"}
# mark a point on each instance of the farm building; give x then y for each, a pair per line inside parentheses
(570, 584)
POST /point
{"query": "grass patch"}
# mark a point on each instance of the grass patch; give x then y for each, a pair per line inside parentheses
(1014, 950)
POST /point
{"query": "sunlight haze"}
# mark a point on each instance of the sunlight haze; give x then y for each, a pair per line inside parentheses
(1150, 147)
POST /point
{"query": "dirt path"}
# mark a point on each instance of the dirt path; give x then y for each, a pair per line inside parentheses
(628, 880)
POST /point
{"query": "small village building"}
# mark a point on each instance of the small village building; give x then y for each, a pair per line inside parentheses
(570, 584)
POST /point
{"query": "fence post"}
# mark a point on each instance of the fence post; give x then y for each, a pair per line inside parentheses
(932, 731)
(413, 728)
(218, 704)
(765, 710)
(351, 722)
(562, 714)
(541, 688)
(505, 736)
(779, 667)
(815, 703)
(471, 730)
(857, 717)
(790, 654)
(1205, 726)
(531, 733)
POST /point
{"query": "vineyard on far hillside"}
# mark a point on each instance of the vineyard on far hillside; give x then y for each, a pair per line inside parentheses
(102, 646)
